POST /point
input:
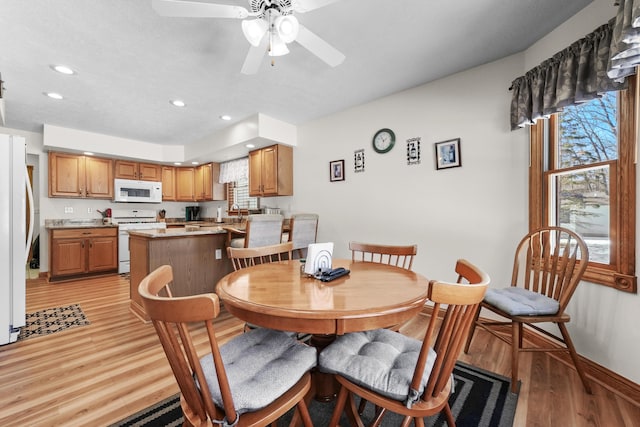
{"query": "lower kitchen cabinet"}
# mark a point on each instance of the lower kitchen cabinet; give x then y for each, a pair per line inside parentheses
(79, 252)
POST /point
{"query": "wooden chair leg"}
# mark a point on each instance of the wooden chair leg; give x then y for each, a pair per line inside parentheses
(304, 414)
(340, 401)
(574, 357)
(516, 340)
(451, 422)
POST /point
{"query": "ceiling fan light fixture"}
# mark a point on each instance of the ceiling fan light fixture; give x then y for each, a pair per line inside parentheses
(278, 47)
(254, 30)
(287, 27)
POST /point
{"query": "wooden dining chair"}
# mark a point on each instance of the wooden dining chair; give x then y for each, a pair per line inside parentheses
(260, 230)
(252, 380)
(400, 256)
(248, 257)
(548, 265)
(303, 230)
(400, 374)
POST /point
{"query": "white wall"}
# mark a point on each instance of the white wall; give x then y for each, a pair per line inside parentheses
(460, 212)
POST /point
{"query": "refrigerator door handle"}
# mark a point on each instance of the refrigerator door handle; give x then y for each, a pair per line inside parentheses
(31, 213)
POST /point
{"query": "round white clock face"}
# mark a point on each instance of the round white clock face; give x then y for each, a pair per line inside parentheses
(383, 140)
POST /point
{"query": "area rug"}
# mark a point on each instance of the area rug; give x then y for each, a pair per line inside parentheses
(482, 399)
(51, 320)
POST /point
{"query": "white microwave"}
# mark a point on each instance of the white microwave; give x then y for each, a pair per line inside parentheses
(128, 190)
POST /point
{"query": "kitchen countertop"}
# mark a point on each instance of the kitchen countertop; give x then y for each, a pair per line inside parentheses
(53, 224)
(179, 232)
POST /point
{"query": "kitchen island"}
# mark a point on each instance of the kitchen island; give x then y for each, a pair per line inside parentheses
(198, 256)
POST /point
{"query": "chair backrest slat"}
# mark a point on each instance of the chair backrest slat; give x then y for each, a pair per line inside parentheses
(550, 261)
(247, 257)
(400, 256)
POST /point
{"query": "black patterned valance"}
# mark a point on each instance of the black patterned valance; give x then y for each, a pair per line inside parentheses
(576, 74)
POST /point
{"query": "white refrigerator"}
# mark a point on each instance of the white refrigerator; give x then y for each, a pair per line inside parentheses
(15, 240)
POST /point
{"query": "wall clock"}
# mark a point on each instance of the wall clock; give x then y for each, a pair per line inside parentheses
(383, 140)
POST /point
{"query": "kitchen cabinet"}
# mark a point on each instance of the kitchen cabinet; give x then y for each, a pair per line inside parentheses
(77, 176)
(126, 169)
(206, 184)
(185, 184)
(78, 252)
(168, 183)
(271, 171)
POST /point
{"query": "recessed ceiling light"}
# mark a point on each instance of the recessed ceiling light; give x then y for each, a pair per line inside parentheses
(177, 103)
(195, 163)
(88, 153)
(177, 163)
(250, 146)
(54, 95)
(225, 117)
(63, 69)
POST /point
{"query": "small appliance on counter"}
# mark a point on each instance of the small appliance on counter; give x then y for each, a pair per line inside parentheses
(192, 213)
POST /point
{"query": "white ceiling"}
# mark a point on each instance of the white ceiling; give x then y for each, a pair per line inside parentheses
(130, 61)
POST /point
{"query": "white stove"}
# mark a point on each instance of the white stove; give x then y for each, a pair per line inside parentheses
(132, 219)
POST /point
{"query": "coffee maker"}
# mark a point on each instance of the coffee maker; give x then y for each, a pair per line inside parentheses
(192, 213)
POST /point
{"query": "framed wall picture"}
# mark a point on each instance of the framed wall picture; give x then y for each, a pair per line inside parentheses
(358, 160)
(448, 154)
(336, 170)
(413, 151)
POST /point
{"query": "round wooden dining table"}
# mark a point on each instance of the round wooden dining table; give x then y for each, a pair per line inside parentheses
(278, 296)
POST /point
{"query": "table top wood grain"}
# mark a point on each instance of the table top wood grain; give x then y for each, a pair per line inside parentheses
(278, 296)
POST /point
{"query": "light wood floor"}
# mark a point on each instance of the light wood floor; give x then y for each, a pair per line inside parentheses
(98, 374)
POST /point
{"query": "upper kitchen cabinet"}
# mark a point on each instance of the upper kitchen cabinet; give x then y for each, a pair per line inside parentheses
(168, 183)
(76, 176)
(207, 187)
(185, 184)
(126, 169)
(271, 171)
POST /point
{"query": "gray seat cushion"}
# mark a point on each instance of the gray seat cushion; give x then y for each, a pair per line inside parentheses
(261, 366)
(381, 360)
(521, 302)
(237, 243)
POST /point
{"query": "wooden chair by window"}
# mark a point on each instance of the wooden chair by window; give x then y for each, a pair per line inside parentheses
(261, 230)
(547, 268)
(423, 390)
(303, 230)
(400, 256)
(238, 377)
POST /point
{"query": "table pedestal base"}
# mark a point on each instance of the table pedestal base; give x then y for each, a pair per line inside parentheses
(325, 384)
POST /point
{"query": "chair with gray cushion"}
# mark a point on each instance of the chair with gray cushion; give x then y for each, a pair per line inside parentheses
(303, 230)
(401, 374)
(261, 230)
(252, 380)
(547, 268)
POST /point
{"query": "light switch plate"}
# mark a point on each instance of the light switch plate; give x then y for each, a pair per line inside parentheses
(218, 253)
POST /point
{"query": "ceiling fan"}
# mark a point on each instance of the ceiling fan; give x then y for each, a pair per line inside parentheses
(272, 28)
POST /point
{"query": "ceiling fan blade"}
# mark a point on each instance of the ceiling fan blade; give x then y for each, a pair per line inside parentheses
(303, 6)
(254, 57)
(192, 9)
(319, 47)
